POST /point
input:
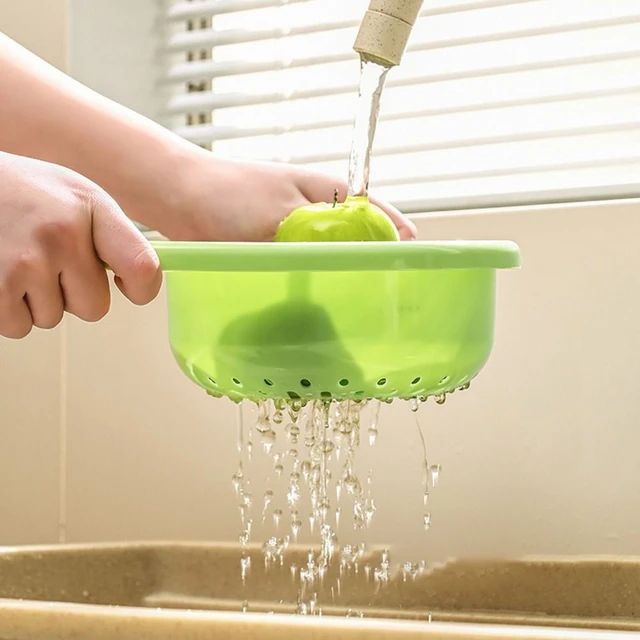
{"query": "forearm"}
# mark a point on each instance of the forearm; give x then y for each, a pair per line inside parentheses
(156, 177)
(47, 115)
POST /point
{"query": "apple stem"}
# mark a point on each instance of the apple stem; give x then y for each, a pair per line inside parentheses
(335, 198)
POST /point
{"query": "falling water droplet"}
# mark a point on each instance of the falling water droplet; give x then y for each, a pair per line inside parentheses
(441, 398)
(370, 509)
(268, 497)
(383, 573)
(351, 484)
(426, 521)
(268, 440)
(263, 424)
(293, 495)
(434, 474)
(410, 570)
(313, 601)
(273, 550)
(245, 565)
(293, 432)
(236, 480)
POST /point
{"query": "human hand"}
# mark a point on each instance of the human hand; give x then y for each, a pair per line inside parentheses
(226, 200)
(160, 179)
(57, 228)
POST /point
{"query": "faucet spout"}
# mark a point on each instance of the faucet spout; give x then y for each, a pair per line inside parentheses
(385, 30)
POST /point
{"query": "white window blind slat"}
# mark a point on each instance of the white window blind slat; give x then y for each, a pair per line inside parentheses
(479, 92)
(591, 16)
(497, 101)
(180, 11)
(596, 49)
(213, 69)
(215, 38)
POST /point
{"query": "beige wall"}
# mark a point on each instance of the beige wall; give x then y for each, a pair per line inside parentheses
(39, 25)
(30, 371)
(542, 455)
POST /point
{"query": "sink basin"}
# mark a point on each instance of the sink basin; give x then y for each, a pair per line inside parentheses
(158, 591)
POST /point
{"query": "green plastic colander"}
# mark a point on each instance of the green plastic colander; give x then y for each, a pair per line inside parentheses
(332, 320)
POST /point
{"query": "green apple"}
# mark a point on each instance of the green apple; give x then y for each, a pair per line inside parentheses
(355, 219)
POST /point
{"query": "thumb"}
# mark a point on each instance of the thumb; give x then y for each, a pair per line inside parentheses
(406, 228)
(127, 252)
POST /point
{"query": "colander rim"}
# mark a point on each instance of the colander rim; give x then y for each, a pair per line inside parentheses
(176, 256)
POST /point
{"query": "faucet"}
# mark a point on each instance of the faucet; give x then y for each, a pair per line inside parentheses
(385, 30)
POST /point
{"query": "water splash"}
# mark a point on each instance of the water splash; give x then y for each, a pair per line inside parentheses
(316, 488)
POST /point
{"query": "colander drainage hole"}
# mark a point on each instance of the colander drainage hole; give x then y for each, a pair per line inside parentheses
(416, 380)
(213, 382)
(325, 394)
(293, 395)
(305, 383)
(236, 382)
(444, 380)
(268, 382)
(382, 382)
(344, 382)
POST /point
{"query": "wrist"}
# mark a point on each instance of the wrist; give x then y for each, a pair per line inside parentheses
(160, 186)
(203, 196)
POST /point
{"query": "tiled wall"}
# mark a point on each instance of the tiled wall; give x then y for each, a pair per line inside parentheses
(542, 455)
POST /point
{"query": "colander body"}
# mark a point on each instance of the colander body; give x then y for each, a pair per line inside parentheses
(303, 326)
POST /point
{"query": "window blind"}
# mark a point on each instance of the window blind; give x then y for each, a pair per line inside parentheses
(497, 102)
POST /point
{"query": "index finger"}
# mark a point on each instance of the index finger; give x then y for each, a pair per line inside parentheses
(127, 252)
